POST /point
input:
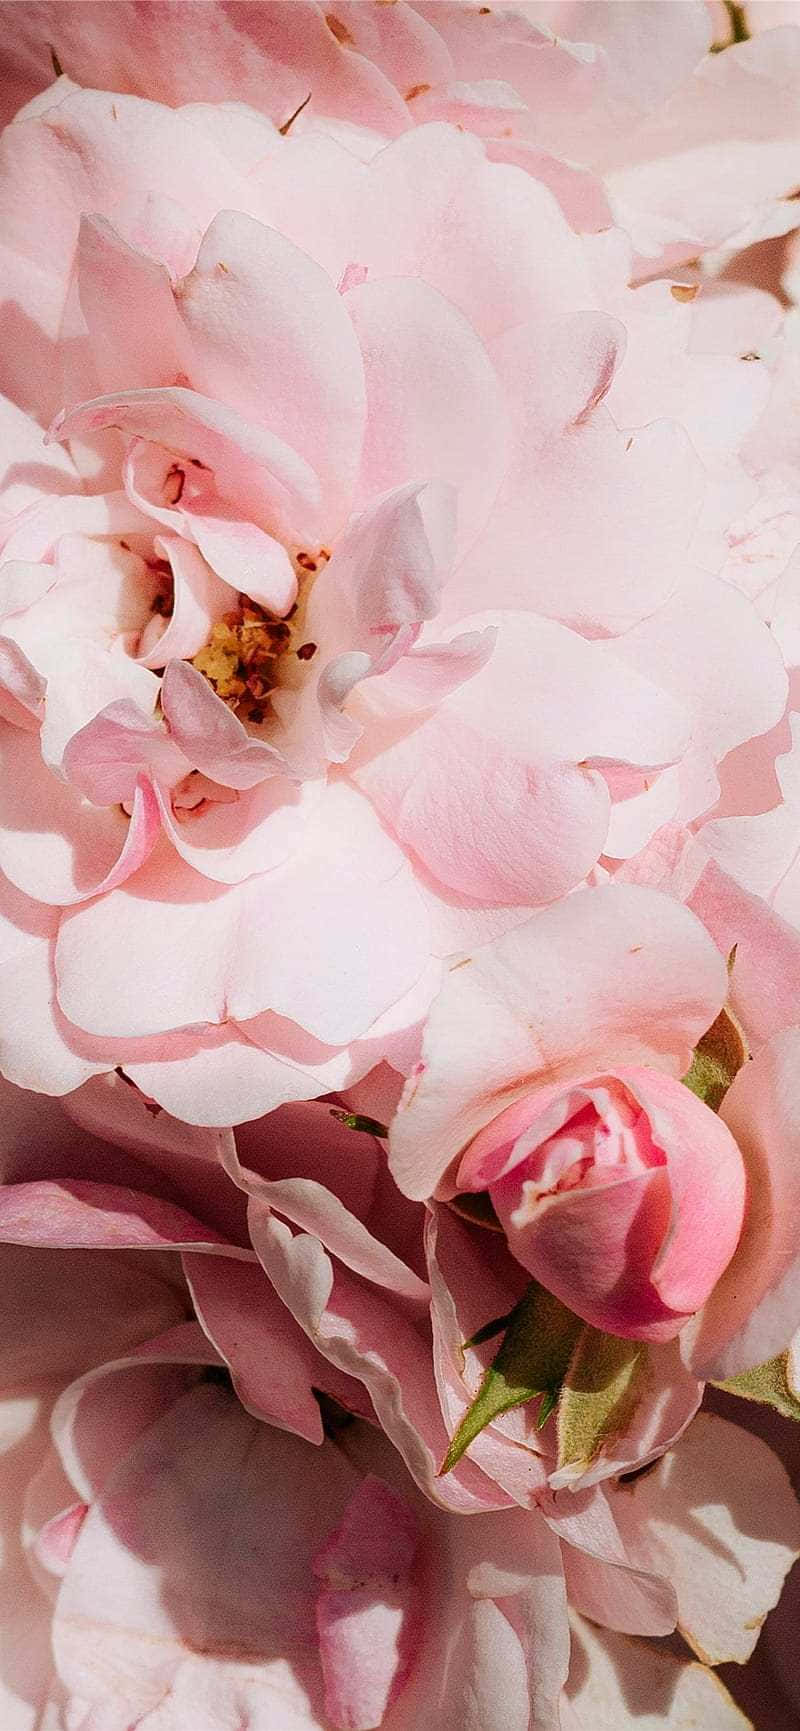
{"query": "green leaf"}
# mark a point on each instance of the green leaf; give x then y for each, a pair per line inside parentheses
(488, 1331)
(718, 1057)
(769, 1385)
(532, 1361)
(354, 1121)
(602, 1388)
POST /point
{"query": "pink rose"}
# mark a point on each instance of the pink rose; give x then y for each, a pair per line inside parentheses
(560, 1095)
(305, 684)
(623, 123)
(181, 1564)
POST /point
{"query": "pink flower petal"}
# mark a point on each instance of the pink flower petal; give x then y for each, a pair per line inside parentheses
(252, 468)
(209, 735)
(269, 335)
(272, 1362)
(751, 1315)
(367, 1606)
(535, 828)
(429, 384)
(81, 850)
(80, 1214)
(358, 903)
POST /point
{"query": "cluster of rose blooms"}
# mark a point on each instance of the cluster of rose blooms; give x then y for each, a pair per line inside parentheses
(399, 865)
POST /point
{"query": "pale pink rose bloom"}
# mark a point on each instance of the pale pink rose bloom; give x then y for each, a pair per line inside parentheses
(620, 109)
(394, 394)
(194, 1566)
(550, 1078)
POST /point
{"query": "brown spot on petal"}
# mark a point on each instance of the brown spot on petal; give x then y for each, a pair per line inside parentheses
(173, 484)
(416, 90)
(684, 291)
(306, 651)
(337, 28)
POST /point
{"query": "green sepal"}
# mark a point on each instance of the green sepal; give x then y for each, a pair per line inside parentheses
(532, 1361)
(488, 1331)
(718, 1057)
(602, 1387)
(769, 1385)
(354, 1121)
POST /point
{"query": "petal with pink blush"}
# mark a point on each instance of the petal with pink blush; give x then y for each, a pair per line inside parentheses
(56, 1540)
(228, 835)
(33, 534)
(752, 1314)
(200, 598)
(247, 558)
(424, 677)
(373, 1339)
(252, 468)
(22, 584)
(82, 678)
(31, 469)
(585, 705)
(626, 1685)
(596, 494)
(733, 694)
(765, 981)
(63, 1312)
(367, 1606)
(26, 1661)
(718, 1515)
(430, 383)
(762, 852)
(489, 1034)
(596, 1251)
(534, 829)
(435, 208)
(211, 738)
(269, 335)
(22, 688)
(272, 1362)
(392, 563)
(127, 302)
(81, 1215)
(221, 1077)
(106, 757)
(616, 1595)
(207, 1608)
(704, 203)
(234, 953)
(34, 1049)
(81, 850)
(621, 1247)
(317, 1210)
